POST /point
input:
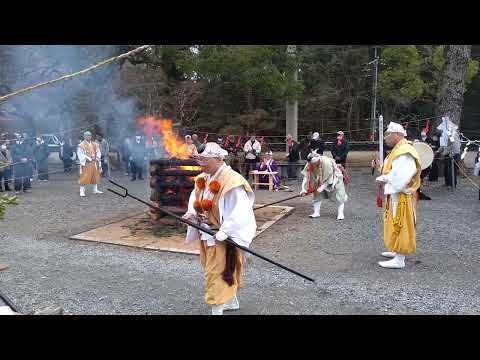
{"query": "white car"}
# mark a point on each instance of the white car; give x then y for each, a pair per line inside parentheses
(52, 141)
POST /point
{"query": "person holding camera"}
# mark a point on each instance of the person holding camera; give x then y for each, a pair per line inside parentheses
(252, 149)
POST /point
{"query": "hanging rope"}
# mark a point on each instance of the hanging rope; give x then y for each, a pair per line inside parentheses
(70, 76)
(463, 172)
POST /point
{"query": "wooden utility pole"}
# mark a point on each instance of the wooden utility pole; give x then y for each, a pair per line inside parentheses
(374, 90)
(292, 107)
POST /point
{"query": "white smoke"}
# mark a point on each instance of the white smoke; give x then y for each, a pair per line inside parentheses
(67, 105)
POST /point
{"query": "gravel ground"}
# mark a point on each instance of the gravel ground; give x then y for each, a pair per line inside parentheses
(88, 278)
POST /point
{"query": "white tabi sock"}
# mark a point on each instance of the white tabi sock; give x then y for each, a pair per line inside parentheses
(398, 262)
(340, 215)
(217, 309)
(316, 209)
(232, 304)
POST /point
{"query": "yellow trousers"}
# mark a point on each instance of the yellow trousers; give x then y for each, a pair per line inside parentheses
(89, 175)
(213, 259)
(399, 231)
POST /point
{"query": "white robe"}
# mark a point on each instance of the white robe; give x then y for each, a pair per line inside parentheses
(248, 148)
(82, 155)
(403, 169)
(237, 219)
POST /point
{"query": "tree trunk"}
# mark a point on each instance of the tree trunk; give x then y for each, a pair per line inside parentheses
(452, 86)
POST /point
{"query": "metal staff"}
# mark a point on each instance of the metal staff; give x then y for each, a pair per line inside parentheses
(277, 202)
(200, 228)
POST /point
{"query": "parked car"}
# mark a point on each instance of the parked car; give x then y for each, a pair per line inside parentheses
(52, 141)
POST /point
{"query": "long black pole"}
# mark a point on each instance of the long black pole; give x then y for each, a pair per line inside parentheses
(203, 229)
(7, 301)
(277, 202)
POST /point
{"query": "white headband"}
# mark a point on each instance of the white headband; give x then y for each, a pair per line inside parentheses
(396, 128)
(213, 150)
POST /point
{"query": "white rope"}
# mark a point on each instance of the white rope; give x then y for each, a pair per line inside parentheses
(44, 173)
(70, 76)
(463, 172)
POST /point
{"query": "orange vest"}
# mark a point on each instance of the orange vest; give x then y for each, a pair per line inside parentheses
(90, 149)
(228, 179)
(404, 147)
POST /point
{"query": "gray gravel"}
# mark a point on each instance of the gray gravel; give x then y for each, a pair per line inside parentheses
(47, 268)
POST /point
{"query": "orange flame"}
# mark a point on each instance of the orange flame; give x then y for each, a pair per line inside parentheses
(191, 168)
(173, 146)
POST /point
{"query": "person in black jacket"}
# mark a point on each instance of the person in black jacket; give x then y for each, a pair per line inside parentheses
(5, 165)
(32, 165)
(316, 144)
(66, 154)
(434, 143)
(304, 147)
(293, 157)
(41, 153)
(138, 157)
(340, 149)
(22, 156)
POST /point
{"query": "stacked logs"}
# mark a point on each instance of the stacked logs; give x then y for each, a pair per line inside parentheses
(171, 185)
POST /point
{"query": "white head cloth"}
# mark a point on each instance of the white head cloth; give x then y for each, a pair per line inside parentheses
(314, 156)
(213, 150)
(396, 128)
(315, 136)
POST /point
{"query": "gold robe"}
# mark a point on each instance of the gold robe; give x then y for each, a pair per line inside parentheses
(213, 258)
(90, 172)
(399, 229)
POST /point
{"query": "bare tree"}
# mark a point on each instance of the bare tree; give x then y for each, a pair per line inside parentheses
(185, 96)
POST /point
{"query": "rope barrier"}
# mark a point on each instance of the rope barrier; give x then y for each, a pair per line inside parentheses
(463, 172)
(71, 76)
(38, 174)
(283, 136)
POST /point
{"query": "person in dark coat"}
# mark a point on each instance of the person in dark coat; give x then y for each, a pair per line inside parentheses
(138, 157)
(425, 172)
(22, 156)
(126, 144)
(5, 166)
(434, 143)
(293, 157)
(340, 149)
(32, 164)
(316, 144)
(303, 146)
(104, 150)
(200, 146)
(41, 156)
(66, 154)
(233, 159)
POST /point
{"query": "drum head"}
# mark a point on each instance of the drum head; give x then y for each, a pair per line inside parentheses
(425, 153)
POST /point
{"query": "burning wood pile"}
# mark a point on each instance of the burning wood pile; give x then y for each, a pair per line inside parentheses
(171, 182)
(172, 175)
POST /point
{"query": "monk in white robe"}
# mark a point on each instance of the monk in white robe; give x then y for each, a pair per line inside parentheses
(401, 180)
(222, 201)
(89, 156)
